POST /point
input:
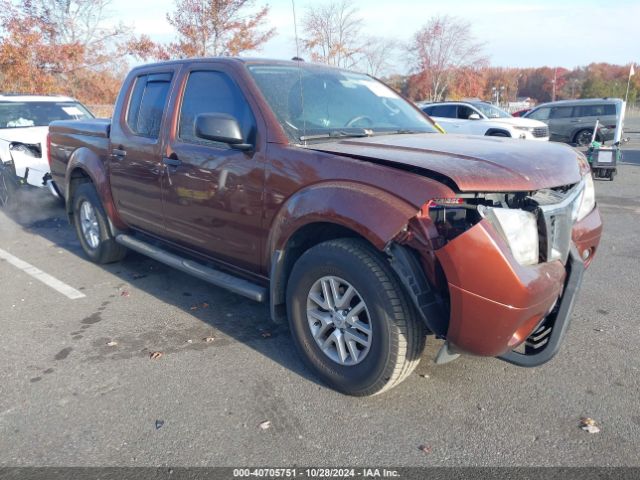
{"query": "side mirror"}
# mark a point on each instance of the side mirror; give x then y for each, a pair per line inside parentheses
(220, 127)
(474, 116)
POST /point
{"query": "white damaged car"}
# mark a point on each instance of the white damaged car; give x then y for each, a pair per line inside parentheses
(482, 118)
(24, 125)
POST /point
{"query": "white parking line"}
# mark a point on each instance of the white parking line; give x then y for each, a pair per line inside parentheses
(45, 278)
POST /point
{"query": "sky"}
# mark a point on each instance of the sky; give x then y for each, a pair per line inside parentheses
(516, 33)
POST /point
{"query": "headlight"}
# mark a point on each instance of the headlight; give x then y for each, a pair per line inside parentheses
(526, 129)
(520, 229)
(587, 198)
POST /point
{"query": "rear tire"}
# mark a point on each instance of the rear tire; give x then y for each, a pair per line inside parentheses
(92, 226)
(395, 338)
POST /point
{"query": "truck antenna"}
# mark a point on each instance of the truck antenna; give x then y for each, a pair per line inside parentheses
(298, 60)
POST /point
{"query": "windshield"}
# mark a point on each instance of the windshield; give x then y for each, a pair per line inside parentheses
(313, 101)
(490, 111)
(39, 114)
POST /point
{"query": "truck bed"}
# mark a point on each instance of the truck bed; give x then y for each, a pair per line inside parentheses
(68, 136)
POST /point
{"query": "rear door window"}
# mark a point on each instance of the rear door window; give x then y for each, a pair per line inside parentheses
(147, 104)
(445, 111)
(595, 110)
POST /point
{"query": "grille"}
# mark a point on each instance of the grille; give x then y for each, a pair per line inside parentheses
(540, 132)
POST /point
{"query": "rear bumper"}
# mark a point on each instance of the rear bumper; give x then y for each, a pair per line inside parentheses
(496, 303)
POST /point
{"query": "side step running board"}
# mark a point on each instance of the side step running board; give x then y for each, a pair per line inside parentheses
(215, 277)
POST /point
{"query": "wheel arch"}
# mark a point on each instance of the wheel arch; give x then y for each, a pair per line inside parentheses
(86, 166)
(326, 212)
(494, 131)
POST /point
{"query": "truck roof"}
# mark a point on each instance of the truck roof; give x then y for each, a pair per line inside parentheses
(231, 60)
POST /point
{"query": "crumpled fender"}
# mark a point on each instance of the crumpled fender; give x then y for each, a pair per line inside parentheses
(371, 212)
(93, 166)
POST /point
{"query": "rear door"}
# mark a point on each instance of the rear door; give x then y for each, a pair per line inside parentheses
(212, 192)
(447, 116)
(136, 155)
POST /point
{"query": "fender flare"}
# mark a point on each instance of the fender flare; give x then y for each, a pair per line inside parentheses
(93, 167)
(374, 214)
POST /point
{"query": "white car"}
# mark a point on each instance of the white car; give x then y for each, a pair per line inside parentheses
(24, 125)
(481, 118)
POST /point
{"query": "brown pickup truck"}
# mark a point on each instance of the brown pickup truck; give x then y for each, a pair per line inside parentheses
(328, 195)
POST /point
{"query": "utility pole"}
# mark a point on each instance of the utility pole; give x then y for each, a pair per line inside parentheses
(553, 82)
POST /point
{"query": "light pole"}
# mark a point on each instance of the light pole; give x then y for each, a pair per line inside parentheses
(496, 94)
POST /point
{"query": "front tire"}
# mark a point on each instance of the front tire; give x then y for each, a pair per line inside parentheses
(350, 319)
(92, 226)
(583, 138)
(8, 186)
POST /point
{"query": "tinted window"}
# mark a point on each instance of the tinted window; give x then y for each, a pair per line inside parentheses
(464, 112)
(540, 114)
(213, 92)
(595, 110)
(446, 111)
(147, 104)
(561, 112)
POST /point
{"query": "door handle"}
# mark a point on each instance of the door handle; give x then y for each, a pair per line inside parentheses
(171, 162)
(118, 154)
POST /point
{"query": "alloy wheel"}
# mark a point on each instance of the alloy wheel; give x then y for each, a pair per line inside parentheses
(89, 224)
(339, 320)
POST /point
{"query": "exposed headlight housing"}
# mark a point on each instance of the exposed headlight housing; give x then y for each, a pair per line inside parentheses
(587, 198)
(520, 230)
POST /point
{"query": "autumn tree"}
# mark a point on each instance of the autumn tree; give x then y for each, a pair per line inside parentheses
(438, 51)
(332, 34)
(217, 27)
(377, 54)
(66, 47)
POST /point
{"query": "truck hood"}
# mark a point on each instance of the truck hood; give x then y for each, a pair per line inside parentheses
(473, 163)
(25, 135)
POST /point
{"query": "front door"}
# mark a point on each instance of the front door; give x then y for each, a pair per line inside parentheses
(135, 158)
(212, 192)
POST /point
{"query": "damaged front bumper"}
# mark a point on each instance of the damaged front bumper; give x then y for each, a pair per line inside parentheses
(498, 305)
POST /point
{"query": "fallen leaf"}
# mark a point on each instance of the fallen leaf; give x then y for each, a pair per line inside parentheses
(124, 293)
(589, 425)
(265, 425)
(112, 344)
(265, 334)
(159, 424)
(189, 341)
(155, 355)
(194, 308)
(208, 339)
(424, 375)
(425, 448)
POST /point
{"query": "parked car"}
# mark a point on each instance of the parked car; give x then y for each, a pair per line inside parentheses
(520, 113)
(482, 118)
(573, 121)
(24, 123)
(328, 195)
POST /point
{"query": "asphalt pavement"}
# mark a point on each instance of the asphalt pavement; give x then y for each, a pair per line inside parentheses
(79, 386)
